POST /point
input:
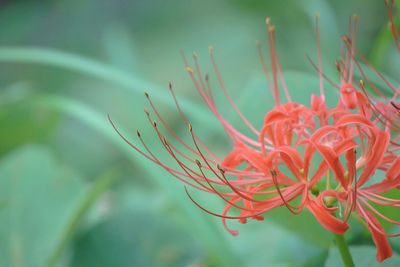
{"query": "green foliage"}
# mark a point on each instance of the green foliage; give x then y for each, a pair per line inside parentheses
(135, 239)
(363, 256)
(22, 124)
(39, 195)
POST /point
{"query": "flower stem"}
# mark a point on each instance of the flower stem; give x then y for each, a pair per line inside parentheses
(344, 251)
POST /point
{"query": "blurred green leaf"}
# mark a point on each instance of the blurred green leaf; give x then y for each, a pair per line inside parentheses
(120, 47)
(283, 246)
(212, 235)
(98, 187)
(304, 225)
(21, 124)
(317, 260)
(363, 256)
(135, 239)
(40, 195)
(98, 70)
(382, 44)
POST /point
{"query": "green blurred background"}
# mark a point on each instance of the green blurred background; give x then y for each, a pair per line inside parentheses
(72, 193)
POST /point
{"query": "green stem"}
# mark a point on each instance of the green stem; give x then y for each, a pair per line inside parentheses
(344, 251)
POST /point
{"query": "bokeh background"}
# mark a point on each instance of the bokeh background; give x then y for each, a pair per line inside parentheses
(72, 193)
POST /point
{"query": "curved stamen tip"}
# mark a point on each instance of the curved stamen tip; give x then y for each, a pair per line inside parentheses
(190, 127)
(273, 172)
(138, 133)
(206, 77)
(170, 85)
(270, 26)
(146, 94)
(210, 49)
(346, 39)
(195, 56)
(258, 218)
(362, 83)
(189, 69)
(155, 124)
(147, 112)
(234, 232)
(220, 169)
(198, 163)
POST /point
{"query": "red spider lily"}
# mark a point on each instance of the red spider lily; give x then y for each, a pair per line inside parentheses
(296, 159)
(374, 145)
(379, 148)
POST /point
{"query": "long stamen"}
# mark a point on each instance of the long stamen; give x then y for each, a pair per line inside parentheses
(189, 172)
(352, 33)
(288, 206)
(239, 191)
(320, 69)
(165, 124)
(221, 194)
(326, 78)
(225, 92)
(264, 66)
(185, 119)
(233, 232)
(272, 52)
(232, 132)
(151, 156)
(373, 224)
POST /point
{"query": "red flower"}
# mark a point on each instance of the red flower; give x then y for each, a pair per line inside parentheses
(354, 193)
(379, 148)
(301, 157)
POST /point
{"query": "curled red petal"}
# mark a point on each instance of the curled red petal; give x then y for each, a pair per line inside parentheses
(326, 219)
(375, 158)
(384, 250)
(394, 170)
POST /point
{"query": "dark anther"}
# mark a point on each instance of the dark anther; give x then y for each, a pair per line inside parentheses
(198, 163)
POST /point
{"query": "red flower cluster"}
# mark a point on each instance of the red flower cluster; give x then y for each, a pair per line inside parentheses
(322, 159)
